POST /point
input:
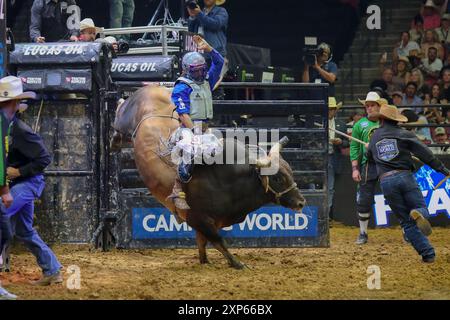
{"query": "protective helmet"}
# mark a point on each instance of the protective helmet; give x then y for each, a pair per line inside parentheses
(195, 67)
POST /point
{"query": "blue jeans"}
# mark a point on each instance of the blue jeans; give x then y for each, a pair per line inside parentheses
(17, 221)
(121, 13)
(403, 195)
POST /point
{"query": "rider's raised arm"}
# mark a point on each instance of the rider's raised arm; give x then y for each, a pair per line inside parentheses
(216, 67)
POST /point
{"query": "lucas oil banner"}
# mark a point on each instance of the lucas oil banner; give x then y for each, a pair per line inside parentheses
(438, 201)
(269, 221)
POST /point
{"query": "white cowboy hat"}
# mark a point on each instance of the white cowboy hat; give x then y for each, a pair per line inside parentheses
(332, 103)
(220, 2)
(11, 88)
(88, 23)
(371, 97)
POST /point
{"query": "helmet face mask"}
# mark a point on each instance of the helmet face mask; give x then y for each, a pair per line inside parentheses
(197, 73)
(195, 67)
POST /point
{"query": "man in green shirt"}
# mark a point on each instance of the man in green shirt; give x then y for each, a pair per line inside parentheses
(364, 173)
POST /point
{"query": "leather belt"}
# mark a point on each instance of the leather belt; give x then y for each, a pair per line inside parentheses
(390, 173)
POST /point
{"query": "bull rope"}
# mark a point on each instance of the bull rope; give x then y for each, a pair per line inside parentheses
(158, 153)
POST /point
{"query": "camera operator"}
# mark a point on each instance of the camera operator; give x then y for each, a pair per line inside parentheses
(323, 70)
(49, 21)
(211, 23)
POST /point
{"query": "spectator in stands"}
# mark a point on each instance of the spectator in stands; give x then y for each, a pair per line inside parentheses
(444, 83)
(431, 66)
(49, 21)
(380, 87)
(388, 76)
(417, 78)
(121, 13)
(440, 137)
(88, 30)
(416, 32)
(433, 114)
(447, 59)
(431, 40)
(423, 133)
(405, 46)
(431, 14)
(401, 73)
(397, 98)
(323, 71)
(443, 31)
(211, 23)
(410, 98)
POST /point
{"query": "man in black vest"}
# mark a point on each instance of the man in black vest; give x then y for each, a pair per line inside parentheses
(27, 157)
(49, 21)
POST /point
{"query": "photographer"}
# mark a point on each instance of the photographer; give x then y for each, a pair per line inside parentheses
(323, 70)
(211, 23)
(49, 21)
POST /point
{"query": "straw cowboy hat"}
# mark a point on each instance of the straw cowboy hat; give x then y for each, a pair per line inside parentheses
(88, 23)
(220, 2)
(371, 97)
(391, 113)
(332, 104)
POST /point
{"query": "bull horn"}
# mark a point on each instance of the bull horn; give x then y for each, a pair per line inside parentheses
(277, 147)
(264, 162)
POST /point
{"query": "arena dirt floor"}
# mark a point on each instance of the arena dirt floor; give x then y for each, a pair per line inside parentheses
(338, 272)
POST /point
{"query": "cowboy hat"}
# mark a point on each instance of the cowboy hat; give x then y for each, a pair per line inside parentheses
(397, 93)
(391, 113)
(371, 97)
(332, 104)
(430, 3)
(88, 23)
(220, 2)
(11, 88)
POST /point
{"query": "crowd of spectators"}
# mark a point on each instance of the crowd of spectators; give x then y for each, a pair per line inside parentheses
(418, 79)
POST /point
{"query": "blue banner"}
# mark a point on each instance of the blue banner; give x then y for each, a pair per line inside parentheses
(438, 201)
(270, 221)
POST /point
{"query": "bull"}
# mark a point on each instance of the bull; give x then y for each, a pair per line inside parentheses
(219, 195)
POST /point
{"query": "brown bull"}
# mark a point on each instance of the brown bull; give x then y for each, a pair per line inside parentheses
(219, 195)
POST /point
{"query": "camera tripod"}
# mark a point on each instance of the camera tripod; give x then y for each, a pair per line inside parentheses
(163, 8)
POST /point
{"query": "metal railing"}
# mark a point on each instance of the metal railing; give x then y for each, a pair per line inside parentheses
(163, 30)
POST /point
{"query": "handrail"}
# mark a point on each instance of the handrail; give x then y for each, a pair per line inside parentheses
(360, 106)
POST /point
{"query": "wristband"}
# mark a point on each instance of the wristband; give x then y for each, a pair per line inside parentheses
(355, 168)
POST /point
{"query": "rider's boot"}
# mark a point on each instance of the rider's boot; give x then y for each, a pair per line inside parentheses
(178, 196)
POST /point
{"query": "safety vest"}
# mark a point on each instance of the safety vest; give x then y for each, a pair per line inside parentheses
(201, 99)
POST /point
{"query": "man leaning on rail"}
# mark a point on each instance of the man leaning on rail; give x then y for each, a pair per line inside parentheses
(27, 157)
